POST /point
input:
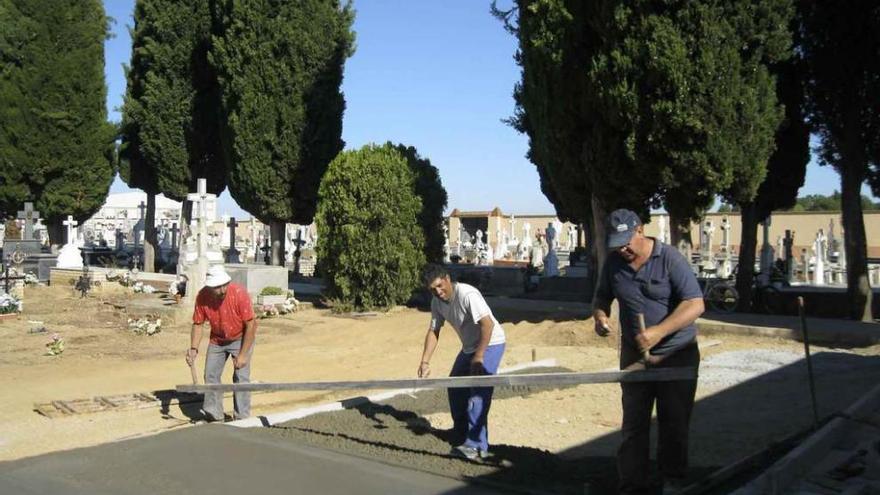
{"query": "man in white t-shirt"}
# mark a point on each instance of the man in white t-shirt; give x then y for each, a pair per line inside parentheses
(482, 345)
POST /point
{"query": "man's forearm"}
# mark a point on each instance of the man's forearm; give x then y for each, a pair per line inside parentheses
(601, 307)
(431, 339)
(486, 327)
(195, 335)
(684, 314)
(247, 340)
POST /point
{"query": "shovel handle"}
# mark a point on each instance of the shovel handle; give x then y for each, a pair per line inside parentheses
(646, 355)
(195, 378)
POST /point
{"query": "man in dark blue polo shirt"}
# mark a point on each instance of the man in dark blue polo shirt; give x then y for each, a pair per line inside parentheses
(650, 278)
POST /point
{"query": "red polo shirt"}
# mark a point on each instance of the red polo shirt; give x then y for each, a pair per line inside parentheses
(227, 316)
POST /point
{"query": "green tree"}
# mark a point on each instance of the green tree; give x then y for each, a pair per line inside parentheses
(430, 191)
(280, 67)
(171, 114)
(842, 60)
(786, 168)
(56, 146)
(371, 246)
(634, 103)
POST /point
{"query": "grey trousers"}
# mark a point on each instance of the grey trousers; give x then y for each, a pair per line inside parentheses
(214, 362)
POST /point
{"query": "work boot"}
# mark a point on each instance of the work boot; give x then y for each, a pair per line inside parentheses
(468, 452)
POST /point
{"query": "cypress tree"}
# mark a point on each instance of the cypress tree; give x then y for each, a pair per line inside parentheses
(280, 65)
(371, 246)
(171, 114)
(56, 146)
(430, 191)
(840, 45)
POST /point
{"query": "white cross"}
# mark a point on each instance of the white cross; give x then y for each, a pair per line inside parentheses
(70, 223)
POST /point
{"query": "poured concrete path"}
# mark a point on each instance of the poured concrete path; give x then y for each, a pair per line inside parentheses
(217, 460)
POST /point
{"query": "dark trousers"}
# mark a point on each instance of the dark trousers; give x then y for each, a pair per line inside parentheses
(675, 401)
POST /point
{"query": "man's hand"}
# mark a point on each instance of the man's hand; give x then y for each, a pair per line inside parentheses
(424, 369)
(240, 361)
(191, 356)
(477, 368)
(603, 328)
(649, 338)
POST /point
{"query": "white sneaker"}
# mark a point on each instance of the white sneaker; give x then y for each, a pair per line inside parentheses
(467, 452)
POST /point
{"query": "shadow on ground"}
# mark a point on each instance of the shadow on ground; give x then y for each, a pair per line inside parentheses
(747, 417)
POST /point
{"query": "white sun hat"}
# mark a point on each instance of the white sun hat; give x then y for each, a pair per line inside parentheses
(217, 276)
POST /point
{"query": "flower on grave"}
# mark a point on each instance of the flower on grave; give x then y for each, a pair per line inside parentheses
(55, 346)
(9, 304)
(268, 311)
(141, 287)
(289, 305)
(144, 326)
(31, 279)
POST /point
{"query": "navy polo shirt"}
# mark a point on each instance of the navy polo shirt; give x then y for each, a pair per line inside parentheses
(655, 290)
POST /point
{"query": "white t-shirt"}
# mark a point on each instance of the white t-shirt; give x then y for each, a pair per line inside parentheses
(463, 311)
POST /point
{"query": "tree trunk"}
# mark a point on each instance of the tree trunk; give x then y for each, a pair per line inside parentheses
(745, 268)
(55, 230)
(680, 230)
(150, 235)
(277, 231)
(598, 241)
(858, 287)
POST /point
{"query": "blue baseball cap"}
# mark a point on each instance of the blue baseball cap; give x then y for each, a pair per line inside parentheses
(620, 227)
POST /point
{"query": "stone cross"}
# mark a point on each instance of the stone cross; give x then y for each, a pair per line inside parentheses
(527, 234)
(513, 238)
(819, 267)
(199, 200)
(232, 225)
(174, 231)
(706, 240)
(28, 215)
(661, 225)
(725, 235)
(70, 223)
(141, 208)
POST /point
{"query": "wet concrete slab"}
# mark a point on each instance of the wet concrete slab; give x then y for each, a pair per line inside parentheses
(217, 460)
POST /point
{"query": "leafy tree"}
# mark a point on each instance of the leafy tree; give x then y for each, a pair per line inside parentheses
(634, 103)
(841, 53)
(280, 66)
(429, 189)
(370, 245)
(56, 146)
(786, 168)
(832, 202)
(171, 113)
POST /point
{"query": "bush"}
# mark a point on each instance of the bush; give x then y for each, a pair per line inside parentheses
(271, 290)
(371, 242)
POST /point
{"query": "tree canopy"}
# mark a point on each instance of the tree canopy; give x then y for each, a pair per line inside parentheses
(430, 191)
(56, 146)
(280, 65)
(371, 246)
(171, 114)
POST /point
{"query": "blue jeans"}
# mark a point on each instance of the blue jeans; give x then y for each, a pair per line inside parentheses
(470, 406)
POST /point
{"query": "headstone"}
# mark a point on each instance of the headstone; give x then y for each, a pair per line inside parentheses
(445, 243)
(233, 255)
(726, 268)
(28, 216)
(197, 269)
(819, 246)
(527, 234)
(663, 235)
(767, 256)
(572, 238)
(478, 244)
(551, 261)
(70, 256)
(787, 244)
(513, 239)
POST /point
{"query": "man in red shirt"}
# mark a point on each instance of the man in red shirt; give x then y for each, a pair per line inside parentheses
(227, 307)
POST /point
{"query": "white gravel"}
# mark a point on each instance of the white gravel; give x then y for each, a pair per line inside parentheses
(728, 369)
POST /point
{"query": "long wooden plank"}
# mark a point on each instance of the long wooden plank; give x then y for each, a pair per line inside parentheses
(535, 379)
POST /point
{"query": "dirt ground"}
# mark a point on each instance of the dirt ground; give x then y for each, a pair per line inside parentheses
(567, 434)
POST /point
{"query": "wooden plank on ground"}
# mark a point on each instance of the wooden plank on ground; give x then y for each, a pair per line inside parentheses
(536, 379)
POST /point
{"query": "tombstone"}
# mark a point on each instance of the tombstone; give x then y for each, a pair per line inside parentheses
(196, 240)
(196, 270)
(233, 255)
(787, 244)
(551, 261)
(478, 244)
(767, 256)
(513, 239)
(805, 266)
(572, 238)
(445, 243)
(557, 226)
(503, 250)
(70, 255)
(819, 250)
(527, 234)
(663, 235)
(725, 270)
(36, 260)
(707, 232)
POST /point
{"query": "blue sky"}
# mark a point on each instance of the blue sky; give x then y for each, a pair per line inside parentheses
(434, 75)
